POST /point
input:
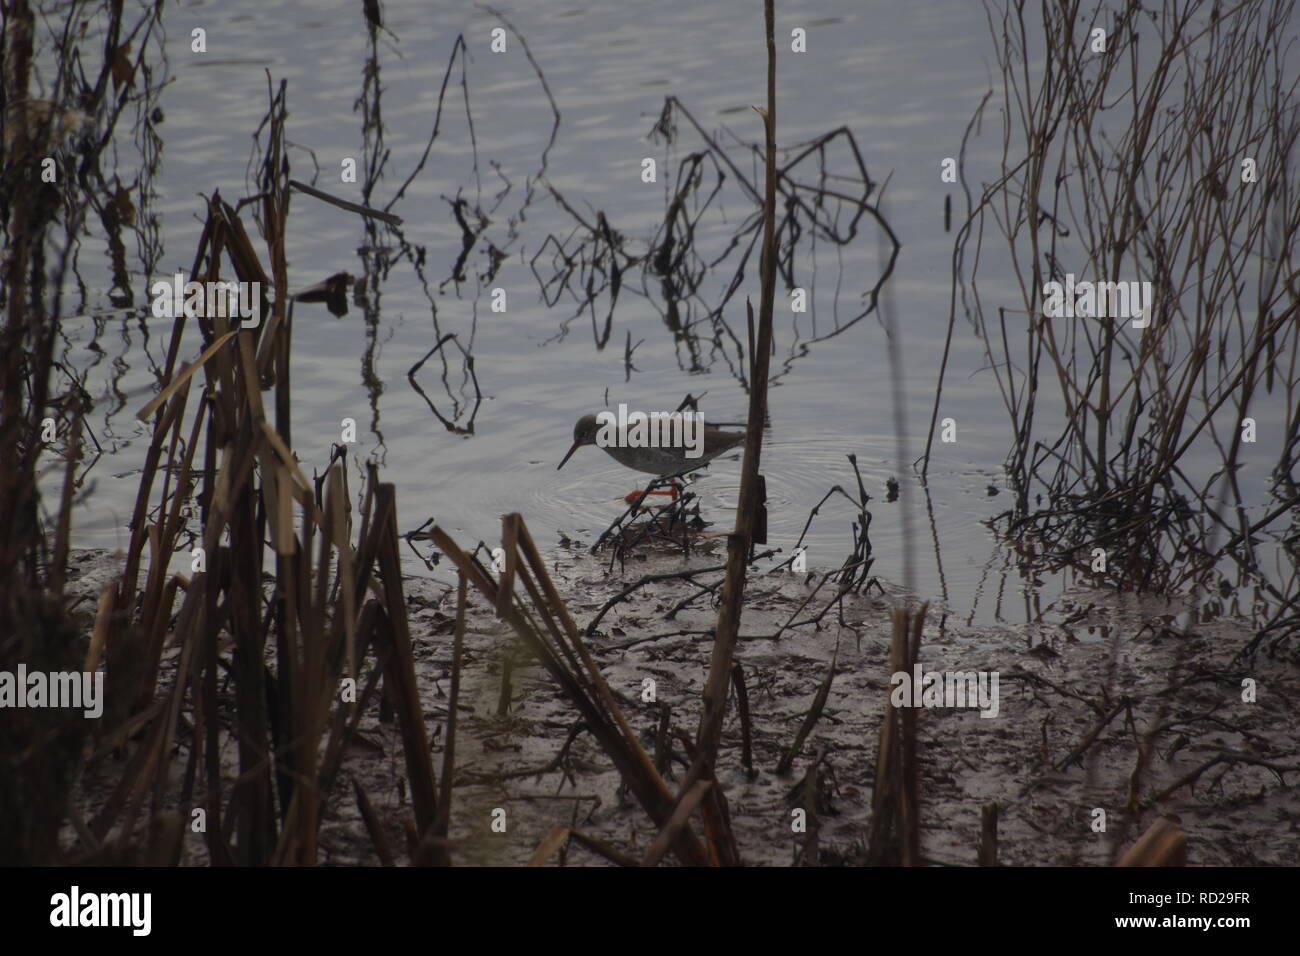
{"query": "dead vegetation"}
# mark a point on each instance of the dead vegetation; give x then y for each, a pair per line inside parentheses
(1169, 159)
(239, 683)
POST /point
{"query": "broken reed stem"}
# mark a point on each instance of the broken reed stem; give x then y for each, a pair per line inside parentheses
(63, 526)
(894, 834)
(988, 855)
(681, 816)
(453, 705)
(545, 626)
(561, 834)
(424, 789)
(373, 826)
(810, 719)
(1163, 844)
(742, 707)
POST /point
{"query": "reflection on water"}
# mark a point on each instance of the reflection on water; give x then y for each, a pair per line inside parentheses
(535, 275)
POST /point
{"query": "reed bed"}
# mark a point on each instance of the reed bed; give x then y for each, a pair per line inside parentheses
(1132, 165)
(203, 658)
(44, 404)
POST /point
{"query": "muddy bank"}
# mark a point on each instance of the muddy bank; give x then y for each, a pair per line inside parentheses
(1080, 696)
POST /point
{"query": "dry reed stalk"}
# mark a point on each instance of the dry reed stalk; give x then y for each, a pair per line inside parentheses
(443, 821)
(810, 718)
(560, 834)
(373, 826)
(988, 854)
(894, 832)
(1163, 844)
(742, 708)
(555, 838)
(740, 541)
(671, 831)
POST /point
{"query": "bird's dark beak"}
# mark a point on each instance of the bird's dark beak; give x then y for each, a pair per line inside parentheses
(576, 446)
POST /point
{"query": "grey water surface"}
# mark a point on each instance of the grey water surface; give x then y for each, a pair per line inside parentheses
(903, 78)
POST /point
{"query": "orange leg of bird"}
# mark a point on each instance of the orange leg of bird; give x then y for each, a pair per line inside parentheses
(632, 496)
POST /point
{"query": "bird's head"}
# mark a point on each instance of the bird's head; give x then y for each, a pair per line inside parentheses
(584, 433)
